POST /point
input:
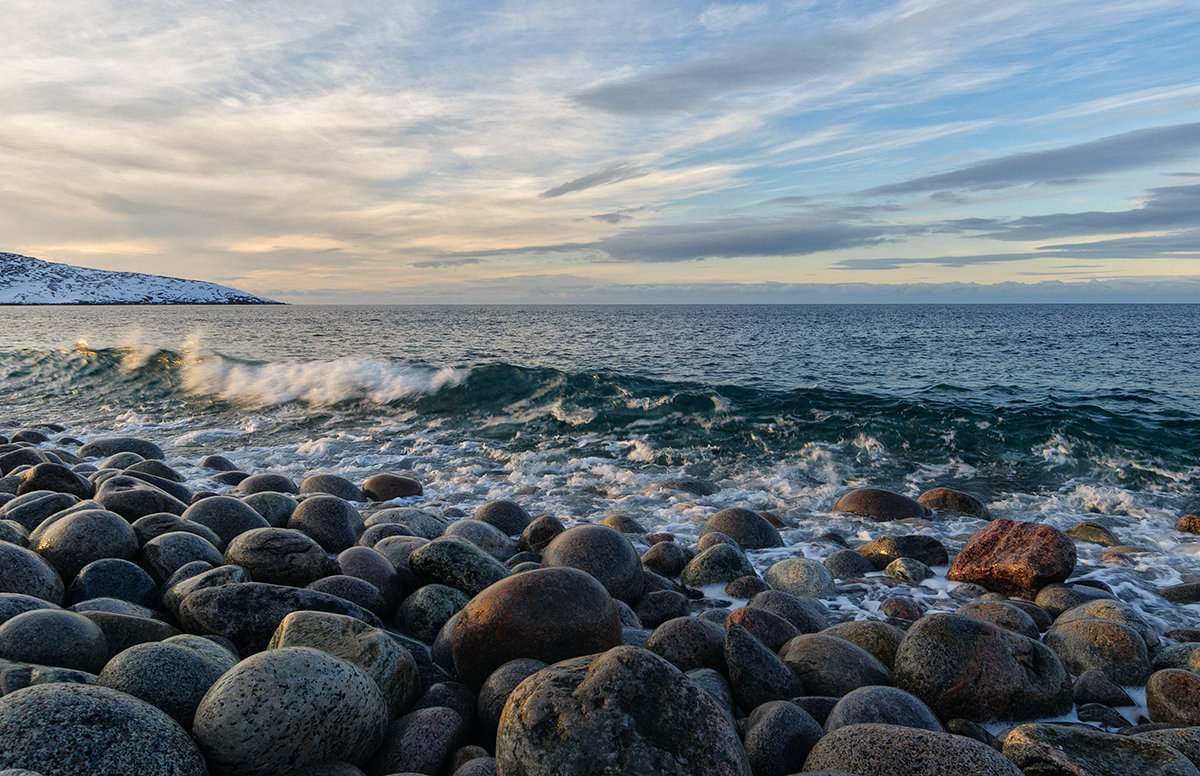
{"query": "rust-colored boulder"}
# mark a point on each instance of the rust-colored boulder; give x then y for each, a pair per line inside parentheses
(1014, 558)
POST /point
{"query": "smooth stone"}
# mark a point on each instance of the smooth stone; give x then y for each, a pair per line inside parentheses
(909, 570)
(539, 533)
(371, 649)
(266, 481)
(175, 592)
(666, 558)
(805, 613)
(376, 533)
(745, 587)
(54, 637)
(30, 509)
(24, 572)
(887, 705)
(1116, 611)
(962, 667)
(114, 605)
(12, 604)
(13, 533)
(156, 468)
(82, 730)
(1014, 558)
(167, 676)
(756, 674)
(371, 566)
(280, 556)
(163, 555)
(1093, 532)
(22, 456)
(1111, 647)
(1095, 686)
(457, 563)
(222, 655)
(847, 564)
(801, 577)
(82, 537)
(56, 478)
(486, 537)
(604, 553)
(1000, 613)
(217, 463)
(419, 742)
(626, 711)
(549, 614)
(623, 522)
(331, 484)
(331, 521)
(658, 606)
(1172, 695)
(880, 639)
(385, 487)
(423, 613)
(882, 551)
(249, 613)
(159, 523)
(1058, 598)
(420, 522)
(880, 505)
(102, 448)
(1178, 656)
(114, 578)
(289, 707)
(769, 628)
(275, 507)
(122, 631)
(1185, 740)
(1081, 750)
(510, 517)
(874, 749)
(831, 666)
(353, 589)
(132, 498)
(689, 643)
(495, 692)
(120, 461)
(748, 528)
(778, 737)
(225, 516)
(716, 564)
(954, 501)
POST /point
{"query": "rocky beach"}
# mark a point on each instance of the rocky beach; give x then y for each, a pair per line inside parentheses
(168, 616)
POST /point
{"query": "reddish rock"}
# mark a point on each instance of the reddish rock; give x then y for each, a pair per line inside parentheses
(880, 505)
(1189, 524)
(955, 501)
(1014, 558)
(385, 487)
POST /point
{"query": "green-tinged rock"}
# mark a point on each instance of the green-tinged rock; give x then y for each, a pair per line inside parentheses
(457, 563)
(719, 563)
(801, 577)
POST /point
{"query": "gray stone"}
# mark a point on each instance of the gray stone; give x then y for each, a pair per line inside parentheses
(1111, 647)
(801, 577)
(388, 486)
(879, 638)
(955, 502)
(425, 611)
(509, 517)
(54, 477)
(748, 528)
(779, 735)
(280, 556)
(122, 631)
(215, 577)
(225, 516)
(81, 730)
(102, 448)
(1172, 695)
(275, 507)
(54, 637)
(352, 589)
(30, 509)
(828, 665)
(807, 614)
(756, 674)
(267, 481)
(718, 564)
(627, 711)
(486, 537)
(114, 578)
(457, 563)
(880, 505)
(287, 708)
(333, 522)
(1081, 750)
(495, 691)
(887, 705)
(847, 564)
(873, 749)
(82, 537)
(332, 484)
(163, 555)
(1116, 611)
(420, 522)
(1003, 614)
(26, 573)
(689, 642)
(167, 676)
(12, 604)
(666, 558)
(602, 552)
(132, 498)
(539, 533)
(908, 570)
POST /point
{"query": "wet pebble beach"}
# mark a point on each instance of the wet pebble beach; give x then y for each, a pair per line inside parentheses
(166, 609)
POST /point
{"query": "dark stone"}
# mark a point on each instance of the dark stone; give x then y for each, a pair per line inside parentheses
(666, 558)
(247, 614)
(1111, 647)
(376, 533)
(30, 509)
(756, 673)
(1172, 695)
(371, 566)
(749, 529)
(1187, 593)
(79, 538)
(122, 631)
(509, 517)
(495, 691)
(1057, 598)
(658, 606)
(880, 505)
(847, 564)
(420, 522)
(217, 463)
(275, 507)
(914, 572)
(831, 666)
(102, 448)
(330, 520)
(1085, 751)
(746, 587)
(807, 615)
(353, 589)
(114, 578)
(779, 735)
(331, 484)
(457, 563)
(25, 572)
(882, 551)
(769, 628)
(177, 590)
(602, 552)
(21, 456)
(81, 730)
(267, 482)
(385, 487)
(167, 676)
(151, 526)
(966, 668)
(425, 611)
(549, 614)
(627, 711)
(689, 642)
(539, 533)
(1093, 532)
(419, 742)
(874, 749)
(878, 638)
(720, 563)
(54, 637)
(886, 705)
(131, 498)
(233, 478)
(56, 478)
(625, 523)
(955, 502)
(1001, 613)
(1014, 558)
(280, 556)
(1094, 686)
(486, 537)
(163, 555)
(225, 516)
(12, 604)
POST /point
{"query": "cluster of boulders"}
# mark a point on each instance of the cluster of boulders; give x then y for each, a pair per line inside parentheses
(244, 623)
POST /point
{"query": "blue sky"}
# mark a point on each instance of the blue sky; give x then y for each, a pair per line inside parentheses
(621, 151)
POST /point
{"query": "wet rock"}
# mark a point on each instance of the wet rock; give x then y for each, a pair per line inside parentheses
(420, 522)
(1172, 695)
(1080, 750)
(1003, 614)
(769, 628)
(779, 735)
(207, 647)
(549, 614)
(602, 552)
(626, 711)
(333, 522)
(1177, 656)
(132, 498)
(882, 551)
(539, 533)
(658, 606)
(163, 555)
(1187, 593)
(419, 742)
(248, 614)
(878, 638)
(847, 564)
(102, 448)
(167, 676)
(1058, 598)
(331, 484)
(831, 666)
(274, 507)
(166, 485)
(81, 730)
(1102, 716)
(1185, 740)
(425, 611)
(966, 668)
(665, 558)
(713, 538)
(79, 538)
(745, 587)
(801, 577)
(486, 537)
(749, 529)
(689, 642)
(873, 749)
(113, 578)
(1111, 647)
(376, 533)
(371, 649)
(1094, 686)
(27, 573)
(54, 637)
(458, 564)
(756, 673)
(217, 463)
(280, 556)
(289, 707)
(495, 691)
(955, 502)
(509, 517)
(914, 572)
(266, 481)
(152, 526)
(719, 563)
(1094, 533)
(887, 705)
(30, 509)
(54, 477)
(1014, 558)
(623, 522)
(385, 487)
(806, 614)
(225, 516)
(880, 505)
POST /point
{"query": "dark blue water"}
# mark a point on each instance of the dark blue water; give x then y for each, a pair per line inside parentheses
(1054, 413)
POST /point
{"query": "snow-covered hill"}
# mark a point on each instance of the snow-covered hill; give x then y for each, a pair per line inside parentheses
(24, 280)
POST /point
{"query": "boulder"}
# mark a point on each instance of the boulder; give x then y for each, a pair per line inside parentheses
(26, 573)
(801, 577)
(1172, 695)
(102, 448)
(1081, 750)
(1111, 647)
(54, 637)
(79, 538)
(880, 505)
(457, 563)
(419, 742)
(604, 553)
(331, 484)
(749, 529)
(717, 564)
(831, 666)
(385, 487)
(225, 516)
(873, 749)
(280, 556)
(511, 518)
(333, 522)
(886, 549)
(167, 676)
(756, 674)
(779, 735)
(955, 502)
(1014, 558)
(886, 705)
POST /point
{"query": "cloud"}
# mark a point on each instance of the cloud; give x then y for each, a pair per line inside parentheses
(611, 174)
(1128, 150)
(724, 18)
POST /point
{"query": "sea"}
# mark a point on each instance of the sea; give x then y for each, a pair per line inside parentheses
(1051, 413)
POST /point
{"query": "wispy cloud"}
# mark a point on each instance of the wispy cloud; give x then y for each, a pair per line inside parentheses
(610, 174)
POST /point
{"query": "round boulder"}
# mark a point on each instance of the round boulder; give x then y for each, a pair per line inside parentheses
(874, 749)
(331, 484)
(78, 538)
(508, 516)
(54, 637)
(831, 666)
(880, 505)
(330, 520)
(225, 516)
(748, 528)
(27, 573)
(604, 553)
(1014, 558)
(280, 556)
(886, 705)
(801, 577)
(167, 676)
(955, 502)
(385, 487)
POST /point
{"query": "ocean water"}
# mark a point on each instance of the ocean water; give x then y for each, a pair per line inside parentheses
(1056, 414)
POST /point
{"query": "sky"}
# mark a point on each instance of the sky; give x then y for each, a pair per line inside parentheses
(316, 151)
